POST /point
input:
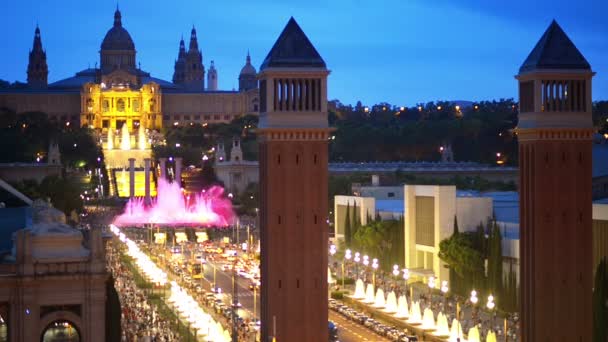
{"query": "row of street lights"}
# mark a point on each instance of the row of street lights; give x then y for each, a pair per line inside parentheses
(432, 281)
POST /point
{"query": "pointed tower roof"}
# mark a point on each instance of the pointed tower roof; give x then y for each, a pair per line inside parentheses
(193, 41)
(554, 50)
(37, 46)
(293, 49)
(182, 48)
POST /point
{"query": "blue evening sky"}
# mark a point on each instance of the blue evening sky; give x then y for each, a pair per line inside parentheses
(399, 51)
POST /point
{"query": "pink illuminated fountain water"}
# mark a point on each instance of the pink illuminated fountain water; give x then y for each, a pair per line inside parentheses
(208, 208)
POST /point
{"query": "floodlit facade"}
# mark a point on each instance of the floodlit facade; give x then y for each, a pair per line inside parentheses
(118, 91)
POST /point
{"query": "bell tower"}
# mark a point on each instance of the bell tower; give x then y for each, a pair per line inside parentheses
(194, 76)
(293, 134)
(555, 131)
(37, 69)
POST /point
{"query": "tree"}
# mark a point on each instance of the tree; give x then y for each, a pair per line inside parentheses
(600, 296)
(466, 263)
(495, 277)
(347, 227)
(356, 220)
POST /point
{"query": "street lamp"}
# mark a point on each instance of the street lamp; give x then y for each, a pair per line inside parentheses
(406, 277)
(347, 256)
(431, 287)
(491, 305)
(357, 259)
(375, 267)
(444, 290)
(474, 301)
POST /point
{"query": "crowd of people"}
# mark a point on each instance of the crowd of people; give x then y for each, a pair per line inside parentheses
(140, 322)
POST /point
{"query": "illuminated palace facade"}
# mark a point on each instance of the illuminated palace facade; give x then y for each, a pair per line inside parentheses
(119, 92)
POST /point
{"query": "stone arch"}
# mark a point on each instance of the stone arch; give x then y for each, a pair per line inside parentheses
(71, 317)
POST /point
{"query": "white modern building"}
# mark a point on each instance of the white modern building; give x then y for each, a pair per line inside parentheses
(429, 212)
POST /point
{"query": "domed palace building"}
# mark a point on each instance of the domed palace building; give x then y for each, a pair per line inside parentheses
(119, 92)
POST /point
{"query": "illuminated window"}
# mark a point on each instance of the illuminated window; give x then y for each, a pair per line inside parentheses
(136, 105)
(120, 105)
(106, 105)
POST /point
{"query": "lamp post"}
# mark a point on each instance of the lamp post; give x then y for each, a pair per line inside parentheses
(431, 284)
(474, 301)
(374, 267)
(357, 259)
(332, 252)
(406, 277)
(365, 263)
(396, 273)
(491, 305)
(444, 290)
(347, 256)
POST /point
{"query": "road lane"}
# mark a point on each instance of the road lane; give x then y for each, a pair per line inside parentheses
(349, 331)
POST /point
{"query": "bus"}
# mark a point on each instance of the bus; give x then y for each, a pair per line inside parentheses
(195, 270)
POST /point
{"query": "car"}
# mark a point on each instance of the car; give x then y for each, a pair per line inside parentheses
(333, 332)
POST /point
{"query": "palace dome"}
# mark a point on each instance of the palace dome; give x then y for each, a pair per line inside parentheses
(117, 37)
(248, 69)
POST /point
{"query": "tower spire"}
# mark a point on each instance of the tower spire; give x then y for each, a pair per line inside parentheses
(37, 69)
(117, 17)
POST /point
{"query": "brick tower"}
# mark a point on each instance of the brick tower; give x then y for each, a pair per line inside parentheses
(555, 131)
(293, 133)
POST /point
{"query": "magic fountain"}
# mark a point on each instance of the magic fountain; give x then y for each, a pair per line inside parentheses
(359, 289)
(391, 302)
(474, 335)
(456, 333)
(208, 208)
(110, 144)
(402, 308)
(380, 301)
(125, 138)
(369, 294)
(442, 328)
(428, 320)
(415, 316)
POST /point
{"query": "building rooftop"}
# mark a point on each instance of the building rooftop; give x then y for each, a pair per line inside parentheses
(554, 50)
(395, 206)
(293, 50)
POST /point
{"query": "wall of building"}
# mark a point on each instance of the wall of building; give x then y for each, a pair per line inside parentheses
(471, 211)
(62, 107)
(209, 107)
(364, 205)
(17, 172)
(379, 192)
(236, 176)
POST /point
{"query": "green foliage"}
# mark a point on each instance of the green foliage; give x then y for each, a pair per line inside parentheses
(64, 193)
(495, 261)
(600, 298)
(249, 199)
(196, 139)
(388, 133)
(460, 254)
(347, 227)
(338, 295)
(384, 239)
